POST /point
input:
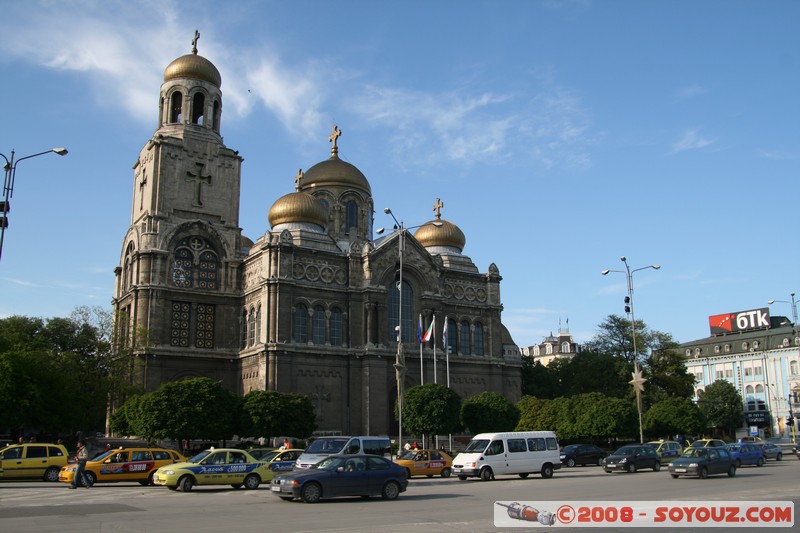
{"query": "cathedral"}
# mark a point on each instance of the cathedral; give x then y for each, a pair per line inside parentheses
(314, 306)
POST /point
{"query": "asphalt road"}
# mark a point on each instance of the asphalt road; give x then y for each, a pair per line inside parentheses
(429, 505)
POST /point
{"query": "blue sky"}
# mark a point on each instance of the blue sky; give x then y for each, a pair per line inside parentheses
(560, 135)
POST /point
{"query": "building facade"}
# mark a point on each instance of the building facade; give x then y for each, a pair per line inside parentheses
(760, 356)
(313, 305)
(561, 347)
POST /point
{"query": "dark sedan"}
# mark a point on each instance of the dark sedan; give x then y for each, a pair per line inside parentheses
(703, 462)
(582, 454)
(343, 475)
(631, 459)
(771, 451)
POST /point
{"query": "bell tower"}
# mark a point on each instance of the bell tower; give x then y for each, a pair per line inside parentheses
(178, 283)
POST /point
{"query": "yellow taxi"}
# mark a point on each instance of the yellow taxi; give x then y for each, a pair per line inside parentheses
(667, 450)
(279, 461)
(124, 464)
(222, 466)
(32, 460)
(426, 463)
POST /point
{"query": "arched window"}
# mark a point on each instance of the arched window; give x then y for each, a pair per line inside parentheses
(759, 389)
(748, 390)
(452, 336)
(463, 333)
(208, 270)
(327, 208)
(182, 269)
(393, 304)
(479, 339)
(217, 116)
(548, 349)
(127, 269)
(793, 368)
(198, 108)
(301, 323)
(336, 327)
(175, 108)
(318, 325)
(258, 325)
(536, 350)
(351, 220)
(243, 329)
(195, 265)
(564, 347)
(251, 327)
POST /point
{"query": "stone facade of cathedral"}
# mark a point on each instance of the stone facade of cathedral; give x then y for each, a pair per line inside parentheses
(313, 305)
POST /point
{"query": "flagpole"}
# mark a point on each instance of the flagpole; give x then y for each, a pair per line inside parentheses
(421, 364)
(435, 375)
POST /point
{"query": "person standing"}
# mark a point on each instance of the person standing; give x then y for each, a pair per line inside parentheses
(81, 457)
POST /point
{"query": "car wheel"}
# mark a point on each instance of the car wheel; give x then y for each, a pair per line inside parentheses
(732, 471)
(524, 475)
(760, 462)
(656, 466)
(51, 474)
(674, 476)
(90, 478)
(186, 484)
(428, 475)
(390, 491)
(703, 473)
(487, 474)
(570, 462)
(632, 468)
(779, 457)
(738, 463)
(547, 471)
(252, 482)
(462, 478)
(150, 481)
(311, 493)
(599, 461)
(446, 472)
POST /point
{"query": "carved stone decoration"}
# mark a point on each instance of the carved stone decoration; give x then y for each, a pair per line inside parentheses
(286, 237)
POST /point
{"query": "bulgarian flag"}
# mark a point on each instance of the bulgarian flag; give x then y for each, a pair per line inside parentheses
(429, 334)
(419, 329)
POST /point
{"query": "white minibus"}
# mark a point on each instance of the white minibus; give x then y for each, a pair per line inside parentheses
(517, 452)
(323, 447)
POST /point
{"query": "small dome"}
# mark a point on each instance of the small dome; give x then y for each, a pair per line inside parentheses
(448, 234)
(335, 172)
(195, 67)
(297, 207)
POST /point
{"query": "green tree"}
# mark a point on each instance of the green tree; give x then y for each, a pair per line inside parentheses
(431, 409)
(666, 372)
(598, 372)
(615, 337)
(275, 414)
(598, 417)
(489, 411)
(673, 416)
(538, 380)
(721, 404)
(537, 414)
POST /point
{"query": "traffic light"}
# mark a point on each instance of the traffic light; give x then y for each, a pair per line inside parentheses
(627, 304)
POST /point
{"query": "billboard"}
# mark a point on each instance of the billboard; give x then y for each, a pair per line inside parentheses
(739, 321)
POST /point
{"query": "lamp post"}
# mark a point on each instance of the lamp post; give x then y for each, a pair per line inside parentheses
(793, 303)
(8, 185)
(638, 380)
(400, 360)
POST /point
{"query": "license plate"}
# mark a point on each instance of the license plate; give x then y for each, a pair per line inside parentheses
(680, 470)
(275, 488)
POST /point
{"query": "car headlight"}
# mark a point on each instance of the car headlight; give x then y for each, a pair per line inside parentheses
(166, 472)
(623, 460)
(694, 465)
(68, 469)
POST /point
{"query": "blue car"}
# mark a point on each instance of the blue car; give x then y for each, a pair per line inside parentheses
(746, 454)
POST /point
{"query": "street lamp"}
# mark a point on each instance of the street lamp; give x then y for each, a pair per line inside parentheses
(638, 380)
(793, 303)
(8, 185)
(400, 360)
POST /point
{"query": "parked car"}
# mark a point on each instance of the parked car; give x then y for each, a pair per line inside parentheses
(280, 461)
(426, 463)
(746, 454)
(631, 459)
(703, 462)
(771, 450)
(32, 460)
(582, 454)
(124, 464)
(223, 466)
(708, 443)
(667, 450)
(750, 438)
(343, 475)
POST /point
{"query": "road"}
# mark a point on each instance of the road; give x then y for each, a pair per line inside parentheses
(429, 505)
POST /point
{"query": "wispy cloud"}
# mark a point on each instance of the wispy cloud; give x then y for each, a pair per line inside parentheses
(22, 282)
(691, 140)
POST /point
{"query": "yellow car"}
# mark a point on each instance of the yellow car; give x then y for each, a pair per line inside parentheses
(667, 450)
(279, 461)
(426, 462)
(223, 466)
(32, 460)
(124, 464)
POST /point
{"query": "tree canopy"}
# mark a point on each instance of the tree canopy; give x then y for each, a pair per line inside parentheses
(276, 414)
(488, 412)
(432, 409)
(721, 404)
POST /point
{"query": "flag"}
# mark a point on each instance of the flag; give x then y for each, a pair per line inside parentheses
(419, 329)
(429, 334)
(444, 334)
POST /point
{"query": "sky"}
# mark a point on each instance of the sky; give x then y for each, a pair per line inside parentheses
(560, 136)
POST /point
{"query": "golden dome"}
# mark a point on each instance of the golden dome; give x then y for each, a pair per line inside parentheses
(297, 207)
(335, 172)
(447, 234)
(195, 67)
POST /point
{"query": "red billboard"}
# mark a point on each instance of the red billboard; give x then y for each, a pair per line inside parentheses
(739, 321)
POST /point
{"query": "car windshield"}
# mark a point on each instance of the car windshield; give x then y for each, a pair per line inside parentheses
(199, 457)
(652, 445)
(104, 455)
(477, 446)
(408, 456)
(331, 463)
(695, 452)
(269, 456)
(571, 448)
(625, 450)
(327, 445)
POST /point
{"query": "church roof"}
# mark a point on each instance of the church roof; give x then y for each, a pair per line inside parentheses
(298, 206)
(335, 172)
(440, 232)
(193, 66)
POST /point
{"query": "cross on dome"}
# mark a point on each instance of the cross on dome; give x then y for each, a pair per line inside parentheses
(332, 138)
(298, 178)
(438, 208)
(194, 41)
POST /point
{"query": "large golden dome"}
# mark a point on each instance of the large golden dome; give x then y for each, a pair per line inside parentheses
(444, 233)
(195, 67)
(335, 172)
(297, 207)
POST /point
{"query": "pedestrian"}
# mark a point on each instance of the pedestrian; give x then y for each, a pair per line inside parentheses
(108, 446)
(286, 444)
(81, 457)
(407, 446)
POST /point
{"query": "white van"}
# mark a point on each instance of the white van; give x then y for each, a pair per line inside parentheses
(516, 452)
(323, 447)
